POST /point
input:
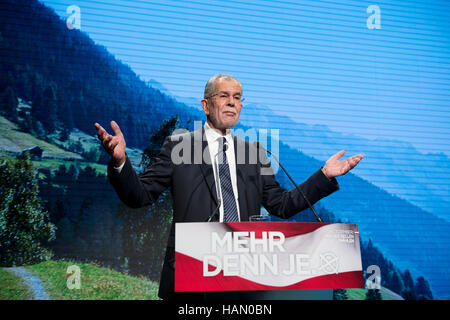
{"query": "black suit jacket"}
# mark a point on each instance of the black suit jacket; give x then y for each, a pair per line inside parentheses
(193, 187)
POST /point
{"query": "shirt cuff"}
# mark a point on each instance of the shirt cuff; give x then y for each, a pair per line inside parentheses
(119, 169)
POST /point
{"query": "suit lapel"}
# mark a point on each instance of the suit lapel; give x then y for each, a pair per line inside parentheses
(240, 179)
(205, 166)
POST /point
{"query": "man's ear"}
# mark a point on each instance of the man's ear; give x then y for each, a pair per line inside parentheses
(205, 106)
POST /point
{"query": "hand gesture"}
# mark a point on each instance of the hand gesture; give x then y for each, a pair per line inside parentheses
(333, 167)
(114, 145)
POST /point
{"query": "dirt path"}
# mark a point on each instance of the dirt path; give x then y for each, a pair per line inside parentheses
(33, 282)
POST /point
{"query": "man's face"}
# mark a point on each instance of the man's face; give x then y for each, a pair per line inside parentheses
(224, 107)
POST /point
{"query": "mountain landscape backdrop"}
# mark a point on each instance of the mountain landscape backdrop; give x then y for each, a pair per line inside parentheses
(55, 83)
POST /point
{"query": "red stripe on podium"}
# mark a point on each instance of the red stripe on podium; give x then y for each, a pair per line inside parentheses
(189, 278)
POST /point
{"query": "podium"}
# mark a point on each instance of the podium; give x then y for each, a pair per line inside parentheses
(267, 260)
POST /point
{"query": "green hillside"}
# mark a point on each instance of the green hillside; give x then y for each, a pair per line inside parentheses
(360, 294)
(14, 141)
(97, 283)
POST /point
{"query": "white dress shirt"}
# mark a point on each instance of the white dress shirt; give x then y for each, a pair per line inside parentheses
(212, 137)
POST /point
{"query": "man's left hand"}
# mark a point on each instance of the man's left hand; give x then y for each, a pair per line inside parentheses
(335, 167)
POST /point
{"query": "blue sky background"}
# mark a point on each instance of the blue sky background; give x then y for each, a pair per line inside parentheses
(315, 61)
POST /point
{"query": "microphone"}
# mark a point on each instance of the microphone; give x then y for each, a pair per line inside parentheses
(219, 198)
(292, 180)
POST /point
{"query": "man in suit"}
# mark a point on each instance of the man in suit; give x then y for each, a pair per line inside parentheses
(211, 173)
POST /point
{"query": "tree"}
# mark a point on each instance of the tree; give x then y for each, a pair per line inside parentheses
(408, 291)
(373, 294)
(422, 288)
(9, 103)
(156, 141)
(340, 294)
(25, 230)
(395, 283)
(65, 233)
(93, 154)
(49, 120)
(67, 123)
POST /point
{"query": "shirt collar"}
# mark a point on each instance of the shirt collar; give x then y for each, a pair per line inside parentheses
(214, 134)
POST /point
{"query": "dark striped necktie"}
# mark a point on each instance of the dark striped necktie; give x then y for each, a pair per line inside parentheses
(230, 212)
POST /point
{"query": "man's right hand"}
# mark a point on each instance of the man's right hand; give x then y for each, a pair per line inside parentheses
(114, 145)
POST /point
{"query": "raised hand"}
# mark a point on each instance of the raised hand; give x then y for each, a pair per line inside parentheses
(334, 167)
(113, 145)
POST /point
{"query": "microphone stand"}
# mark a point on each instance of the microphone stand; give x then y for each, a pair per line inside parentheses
(292, 180)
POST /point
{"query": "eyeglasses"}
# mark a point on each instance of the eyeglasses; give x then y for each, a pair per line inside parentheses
(226, 97)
